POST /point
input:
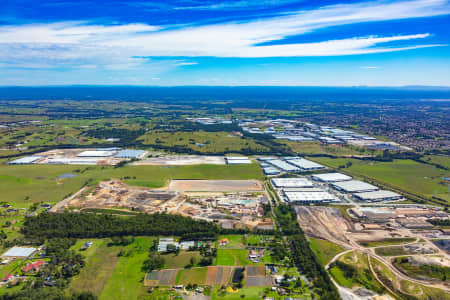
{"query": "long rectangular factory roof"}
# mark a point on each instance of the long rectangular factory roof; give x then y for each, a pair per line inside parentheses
(309, 196)
(305, 164)
(354, 186)
(283, 165)
(331, 177)
(291, 182)
(25, 160)
(97, 153)
(378, 195)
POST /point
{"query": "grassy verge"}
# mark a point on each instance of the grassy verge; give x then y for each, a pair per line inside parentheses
(325, 250)
(387, 242)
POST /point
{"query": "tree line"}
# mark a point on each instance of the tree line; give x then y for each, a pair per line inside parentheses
(302, 254)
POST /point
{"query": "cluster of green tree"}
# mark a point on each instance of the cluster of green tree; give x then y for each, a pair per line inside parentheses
(303, 255)
(48, 293)
(438, 222)
(121, 240)
(127, 137)
(79, 225)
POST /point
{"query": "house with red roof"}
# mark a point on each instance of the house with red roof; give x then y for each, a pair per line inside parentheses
(34, 266)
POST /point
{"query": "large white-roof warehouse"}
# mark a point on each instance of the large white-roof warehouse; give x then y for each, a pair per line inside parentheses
(380, 195)
(305, 164)
(354, 186)
(331, 177)
(291, 182)
(309, 197)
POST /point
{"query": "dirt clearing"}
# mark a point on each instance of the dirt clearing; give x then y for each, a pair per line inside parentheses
(215, 185)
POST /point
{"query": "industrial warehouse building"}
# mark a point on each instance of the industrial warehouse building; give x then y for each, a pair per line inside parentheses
(291, 183)
(354, 186)
(309, 197)
(25, 160)
(284, 166)
(380, 195)
(237, 160)
(19, 252)
(133, 154)
(97, 153)
(305, 165)
(271, 171)
(331, 177)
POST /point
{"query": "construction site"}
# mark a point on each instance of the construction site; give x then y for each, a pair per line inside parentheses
(384, 235)
(231, 203)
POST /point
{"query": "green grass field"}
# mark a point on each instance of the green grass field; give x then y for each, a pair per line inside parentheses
(194, 275)
(408, 175)
(101, 261)
(126, 280)
(245, 293)
(391, 251)
(388, 242)
(325, 250)
(232, 257)
(181, 260)
(211, 142)
(39, 183)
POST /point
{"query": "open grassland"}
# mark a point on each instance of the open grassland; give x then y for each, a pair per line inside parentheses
(126, 280)
(100, 263)
(391, 251)
(232, 257)
(206, 142)
(194, 275)
(407, 175)
(314, 147)
(181, 260)
(39, 183)
(388, 242)
(325, 250)
(244, 293)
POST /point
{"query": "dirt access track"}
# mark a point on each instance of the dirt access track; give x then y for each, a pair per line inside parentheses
(215, 186)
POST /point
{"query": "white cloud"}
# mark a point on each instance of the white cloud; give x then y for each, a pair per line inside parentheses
(369, 67)
(121, 46)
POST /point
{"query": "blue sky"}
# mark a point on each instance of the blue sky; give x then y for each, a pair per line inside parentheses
(240, 42)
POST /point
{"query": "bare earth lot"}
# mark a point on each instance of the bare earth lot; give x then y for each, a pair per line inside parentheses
(215, 185)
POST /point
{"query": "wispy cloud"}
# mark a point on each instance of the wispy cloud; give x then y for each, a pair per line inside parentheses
(369, 67)
(129, 45)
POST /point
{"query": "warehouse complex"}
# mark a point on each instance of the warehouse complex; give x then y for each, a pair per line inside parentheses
(25, 160)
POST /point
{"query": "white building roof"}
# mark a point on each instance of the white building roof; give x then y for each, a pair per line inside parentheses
(291, 182)
(96, 153)
(305, 164)
(354, 186)
(130, 153)
(25, 160)
(283, 165)
(238, 161)
(75, 161)
(331, 177)
(309, 196)
(236, 157)
(377, 195)
(19, 252)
